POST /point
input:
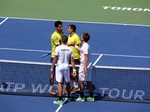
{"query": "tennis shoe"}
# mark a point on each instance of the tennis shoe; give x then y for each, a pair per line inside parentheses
(79, 99)
(58, 102)
(69, 99)
(92, 99)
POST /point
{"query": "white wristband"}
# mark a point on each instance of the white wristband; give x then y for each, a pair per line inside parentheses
(52, 68)
(76, 46)
(74, 70)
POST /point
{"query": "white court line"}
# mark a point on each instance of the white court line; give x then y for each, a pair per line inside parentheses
(79, 21)
(24, 62)
(97, 60)
(123, 68)
(46, 51)
(33, 50)
(30, 50)
(89, 65)
(3, 21)
(61, 105)
(128, 56)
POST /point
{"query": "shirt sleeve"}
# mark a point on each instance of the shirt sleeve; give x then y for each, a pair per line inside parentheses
(85, 49)
(55, 40)
(77, 40)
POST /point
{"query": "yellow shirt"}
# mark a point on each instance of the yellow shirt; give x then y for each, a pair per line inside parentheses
(76, 39)
(55, 41)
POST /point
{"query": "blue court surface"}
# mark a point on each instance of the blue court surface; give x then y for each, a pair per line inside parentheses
(113, 45)
(44, 104)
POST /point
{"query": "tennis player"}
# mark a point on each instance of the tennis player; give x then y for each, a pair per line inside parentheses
(85, 70)
(74, 39)
(63, 54)
(55, 41)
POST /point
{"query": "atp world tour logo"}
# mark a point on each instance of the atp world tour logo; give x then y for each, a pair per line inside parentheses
(123, 94)
(21, 87)
(112, 93)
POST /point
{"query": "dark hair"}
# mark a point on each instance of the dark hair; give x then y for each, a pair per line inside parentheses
(57, 23)
(86, 36)
(72, 26)
(64, 39)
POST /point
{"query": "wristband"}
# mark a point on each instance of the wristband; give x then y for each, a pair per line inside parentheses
(52, 68)
(76, 46)
(74, 70)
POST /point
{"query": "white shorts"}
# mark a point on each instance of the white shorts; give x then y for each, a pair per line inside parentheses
(62, 72)
(87, 76)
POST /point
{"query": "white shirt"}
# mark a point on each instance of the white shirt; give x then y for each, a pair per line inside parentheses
(85, 49)
(64, 54)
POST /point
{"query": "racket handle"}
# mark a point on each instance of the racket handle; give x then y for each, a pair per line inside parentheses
(46, 55)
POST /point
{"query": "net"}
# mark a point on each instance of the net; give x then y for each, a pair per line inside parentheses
(112, 83)
(123, 83)
(24, 78)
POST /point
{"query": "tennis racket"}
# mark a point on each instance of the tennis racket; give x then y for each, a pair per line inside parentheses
(44, 55)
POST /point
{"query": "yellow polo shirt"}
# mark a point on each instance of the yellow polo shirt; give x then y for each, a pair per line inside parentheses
(76, 39)
(55, 41)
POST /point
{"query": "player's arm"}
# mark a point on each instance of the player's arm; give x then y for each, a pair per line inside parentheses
(85, 62)
(78, 47)
(77, 43)
(53, 63)
(71, 44)
(52, 67)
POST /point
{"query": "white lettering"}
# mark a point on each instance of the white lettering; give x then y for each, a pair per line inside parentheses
(39, 88)
(137, 9)
(114, 93)
(18, 86)
(130, 94)
(125, 94)
(106, 7)
(126, 8)
(9, 85)
(146, 10)
(139, 94)
(103, 90)
(116, 8)
(1, 87)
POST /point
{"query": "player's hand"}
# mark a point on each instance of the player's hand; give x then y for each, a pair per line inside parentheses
(85, 70)
(74, 74)
(71, 44)
(51, 81)
(52, 70)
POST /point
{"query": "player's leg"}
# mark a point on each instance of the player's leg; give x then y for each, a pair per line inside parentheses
(59, 79)
(81, 76)
(75, 79)
(81, 97)
(89, 84)
(91, 97)
(52, 77)
(60, 90)
(67, 80)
